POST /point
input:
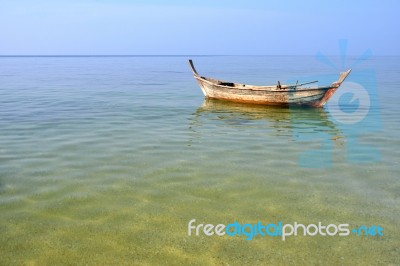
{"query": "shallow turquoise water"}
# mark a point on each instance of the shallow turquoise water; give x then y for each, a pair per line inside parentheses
(105, 160)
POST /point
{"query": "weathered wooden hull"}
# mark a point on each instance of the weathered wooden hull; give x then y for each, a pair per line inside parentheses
(311, 97)
(284, 95)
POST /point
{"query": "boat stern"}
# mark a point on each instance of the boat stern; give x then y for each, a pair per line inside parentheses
(335, 86)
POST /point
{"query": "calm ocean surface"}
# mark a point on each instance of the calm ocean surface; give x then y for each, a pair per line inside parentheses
(105, 160)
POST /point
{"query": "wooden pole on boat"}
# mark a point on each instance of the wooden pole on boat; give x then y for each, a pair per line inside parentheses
(193, 68)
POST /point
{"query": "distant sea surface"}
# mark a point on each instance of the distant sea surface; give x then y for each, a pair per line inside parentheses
(105, 160)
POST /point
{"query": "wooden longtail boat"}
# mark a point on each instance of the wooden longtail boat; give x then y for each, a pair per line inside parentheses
(295, 94)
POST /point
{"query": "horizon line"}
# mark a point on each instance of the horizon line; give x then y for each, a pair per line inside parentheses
(162, 55)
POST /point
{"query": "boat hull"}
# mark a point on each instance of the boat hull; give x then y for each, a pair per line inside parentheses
(314, 97)
(285, 95)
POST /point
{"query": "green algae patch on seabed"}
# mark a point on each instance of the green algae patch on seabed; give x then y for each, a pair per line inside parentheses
(135, 222)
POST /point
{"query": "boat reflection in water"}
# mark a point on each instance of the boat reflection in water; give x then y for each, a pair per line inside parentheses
(283, 121)
(305, 136)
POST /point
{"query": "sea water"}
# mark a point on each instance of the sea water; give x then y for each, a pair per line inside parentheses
(105, 160)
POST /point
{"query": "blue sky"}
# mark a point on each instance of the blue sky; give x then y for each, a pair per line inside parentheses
(197, 27)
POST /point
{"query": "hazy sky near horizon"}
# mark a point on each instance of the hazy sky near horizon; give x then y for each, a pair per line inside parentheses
(178, 27)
